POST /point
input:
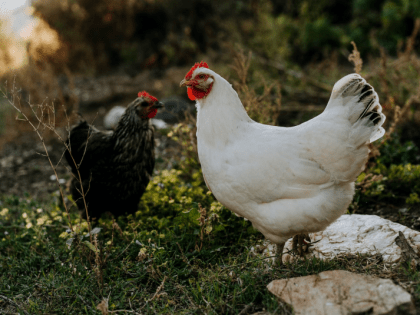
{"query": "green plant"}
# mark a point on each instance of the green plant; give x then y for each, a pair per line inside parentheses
(43, 273)
(393, 151)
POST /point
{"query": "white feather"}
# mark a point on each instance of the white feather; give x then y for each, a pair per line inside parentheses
(285, 180)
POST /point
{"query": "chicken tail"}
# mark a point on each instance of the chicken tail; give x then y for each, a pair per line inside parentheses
(76, 143)
(355, 97)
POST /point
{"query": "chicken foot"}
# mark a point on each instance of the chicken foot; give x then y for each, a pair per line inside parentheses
(301, 244)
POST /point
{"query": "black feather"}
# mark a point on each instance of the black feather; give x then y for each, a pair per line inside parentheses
(374, 117)
(366, 95)
(348, 89)
(366, 88)
(115, 167)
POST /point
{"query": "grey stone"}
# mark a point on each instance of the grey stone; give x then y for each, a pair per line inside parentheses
(354, 234)
(341, 292)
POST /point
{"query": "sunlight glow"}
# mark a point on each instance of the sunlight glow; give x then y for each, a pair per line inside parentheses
(6, 6)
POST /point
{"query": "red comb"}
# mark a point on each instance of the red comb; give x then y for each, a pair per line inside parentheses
(145, 94)
(201, 64)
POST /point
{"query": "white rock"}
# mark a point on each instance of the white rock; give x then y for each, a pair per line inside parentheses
(352, 234)
(112, 118)
(159, 123)
(7, 161)
(340, 292)
(60, 180)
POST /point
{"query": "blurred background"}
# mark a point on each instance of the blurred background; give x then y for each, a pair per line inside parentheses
(63, 57)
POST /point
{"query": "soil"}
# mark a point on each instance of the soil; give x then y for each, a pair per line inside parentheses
(25, 169)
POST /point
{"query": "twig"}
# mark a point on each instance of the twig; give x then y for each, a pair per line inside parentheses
(209, 304)
(61, 157)
(246, 309)
(236, 294)
(13, 303)
(80, 297)
(411, 40)
(123, 250)
(184, 258)
(407, 252)
(158, 289)
(36, 130)
(129, 302)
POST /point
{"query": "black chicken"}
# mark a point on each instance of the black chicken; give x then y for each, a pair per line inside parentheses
(115, 166)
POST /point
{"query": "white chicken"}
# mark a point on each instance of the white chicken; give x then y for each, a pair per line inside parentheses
(286, 181)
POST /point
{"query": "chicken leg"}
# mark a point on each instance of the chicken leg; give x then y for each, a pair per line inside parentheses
(279, 254)
(301, 244)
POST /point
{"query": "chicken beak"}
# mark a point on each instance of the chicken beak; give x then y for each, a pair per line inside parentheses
(185, 83)
(158, 105)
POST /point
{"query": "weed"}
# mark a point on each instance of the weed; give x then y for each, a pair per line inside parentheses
(264, 107)
(355, 58)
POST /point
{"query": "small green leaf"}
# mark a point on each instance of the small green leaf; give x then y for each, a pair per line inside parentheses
(91, 246)
(209, 228)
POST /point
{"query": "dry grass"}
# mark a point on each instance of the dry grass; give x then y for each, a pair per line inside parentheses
(398, 83)
(355, 58)
(39, 84)
(44, 119)
(263, 107)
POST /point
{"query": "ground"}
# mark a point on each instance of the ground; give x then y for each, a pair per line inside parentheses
(46, 276)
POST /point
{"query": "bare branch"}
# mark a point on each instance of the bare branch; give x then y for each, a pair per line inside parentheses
(39, 134)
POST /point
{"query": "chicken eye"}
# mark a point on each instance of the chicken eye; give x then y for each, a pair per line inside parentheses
(201, 76)
(144, 104)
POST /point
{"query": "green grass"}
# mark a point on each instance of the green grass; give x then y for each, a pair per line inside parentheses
(42, 274)
(170, 257)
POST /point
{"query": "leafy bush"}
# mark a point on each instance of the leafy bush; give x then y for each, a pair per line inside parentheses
(392, 178)
(100, 34)
(161, 33)
(394, 152)
(306, 30)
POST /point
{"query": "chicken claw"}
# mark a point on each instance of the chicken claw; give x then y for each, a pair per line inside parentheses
(301, 243)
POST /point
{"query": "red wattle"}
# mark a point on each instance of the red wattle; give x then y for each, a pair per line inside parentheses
(190, 94)
(152, 113)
